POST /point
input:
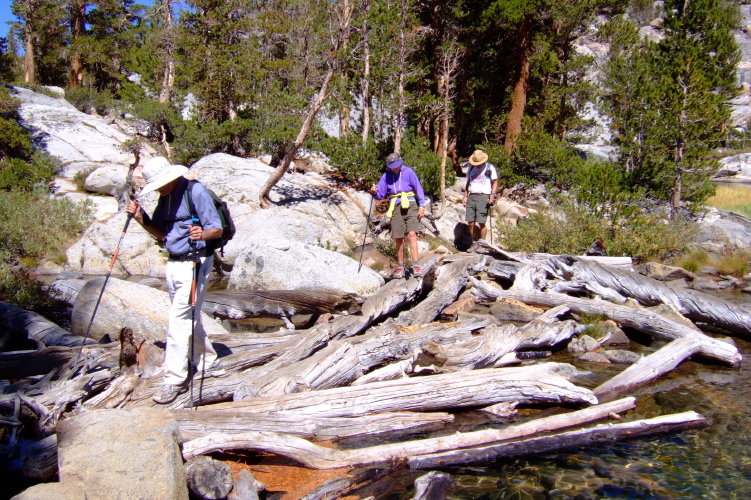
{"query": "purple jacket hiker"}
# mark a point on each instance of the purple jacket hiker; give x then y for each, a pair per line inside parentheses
(403, 181)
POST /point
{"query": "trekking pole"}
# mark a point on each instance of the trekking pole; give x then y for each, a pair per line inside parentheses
(106, 278)
(490, 221)
(364, 234)
(193, 290)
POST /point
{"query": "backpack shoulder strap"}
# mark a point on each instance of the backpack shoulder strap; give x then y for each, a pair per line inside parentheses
(188, 195)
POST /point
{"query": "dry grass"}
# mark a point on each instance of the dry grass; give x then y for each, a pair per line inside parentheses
(734, 264)
(733, 197)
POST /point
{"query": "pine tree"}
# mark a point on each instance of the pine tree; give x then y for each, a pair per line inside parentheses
(667, 100)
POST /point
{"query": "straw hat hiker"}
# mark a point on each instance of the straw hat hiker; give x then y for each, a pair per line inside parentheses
(158, 171)
(478, 158)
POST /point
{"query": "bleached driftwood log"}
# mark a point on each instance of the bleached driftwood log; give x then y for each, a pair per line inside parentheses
(536, 383)
(488, 348)
(318, 457)
(649, 368)
(450, 281)
(648, 291)
(604, 433)
(195, 424)
(277, 303)
(643, 320)
(345, 360)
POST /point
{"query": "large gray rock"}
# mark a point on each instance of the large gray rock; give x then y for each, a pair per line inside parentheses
(81, 142)
(308, 209)
(735, 168)
(142, 308)
(78, 140)
(722, 231)
(127, 453)
(289, 265)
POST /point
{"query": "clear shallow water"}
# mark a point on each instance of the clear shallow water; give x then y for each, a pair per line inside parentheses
(713, 463)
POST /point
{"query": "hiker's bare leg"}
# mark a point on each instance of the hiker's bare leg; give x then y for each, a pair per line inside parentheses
(473, 233)
(399, 250)
(413, 245)
(483, 230)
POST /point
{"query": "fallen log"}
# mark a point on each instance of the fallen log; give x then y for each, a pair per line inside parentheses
(319, 457)
(450, 281)
(196, 424)
(22, 364)
(648, 368)
(648, 291)
(26, 324)
(529, 384)
(281, 304)
(604, 433)
(433, 486)
(488, 348)
(645, 321)
(344, 361)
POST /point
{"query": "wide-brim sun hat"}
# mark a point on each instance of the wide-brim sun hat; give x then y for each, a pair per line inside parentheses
(478, 158)
(158, 171)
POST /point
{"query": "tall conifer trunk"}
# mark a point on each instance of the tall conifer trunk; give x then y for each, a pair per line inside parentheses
(366, 76)
(29, 67)
(77, 30)
(519, 95)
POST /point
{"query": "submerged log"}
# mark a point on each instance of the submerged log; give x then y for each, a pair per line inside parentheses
(318, 457)
(605, 433)
(645, 321)
(433, 486)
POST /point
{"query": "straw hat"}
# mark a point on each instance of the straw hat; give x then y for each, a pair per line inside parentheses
(478, 158)
(157, 172)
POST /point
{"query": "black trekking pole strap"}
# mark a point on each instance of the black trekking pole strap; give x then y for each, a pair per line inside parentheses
(104, 285)
(365, 233)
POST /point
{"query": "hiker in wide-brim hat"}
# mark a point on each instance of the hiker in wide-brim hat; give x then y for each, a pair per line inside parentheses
(407, 206)
(185, 240)
(479, 193)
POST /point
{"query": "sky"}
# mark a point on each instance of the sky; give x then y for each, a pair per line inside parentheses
(5, 16)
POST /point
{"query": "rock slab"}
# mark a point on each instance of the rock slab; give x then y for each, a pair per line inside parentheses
(129, 454)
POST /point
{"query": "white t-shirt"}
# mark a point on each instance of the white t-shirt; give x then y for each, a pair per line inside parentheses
(479, 180)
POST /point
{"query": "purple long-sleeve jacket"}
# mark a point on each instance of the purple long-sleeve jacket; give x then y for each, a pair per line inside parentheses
(404, 180)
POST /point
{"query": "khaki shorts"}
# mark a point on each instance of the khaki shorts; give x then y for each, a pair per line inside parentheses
(405, 220)
(477, 208)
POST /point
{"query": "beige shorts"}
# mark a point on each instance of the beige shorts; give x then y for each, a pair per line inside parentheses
(405, 220)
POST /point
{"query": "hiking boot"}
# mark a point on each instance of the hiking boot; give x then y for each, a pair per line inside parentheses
(416, 271)
(398, 273)
(169, 393)
(216, 370)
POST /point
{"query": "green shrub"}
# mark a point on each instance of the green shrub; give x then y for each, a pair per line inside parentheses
(18, 288)
(85, 98)
(417, 154)
(32, 225)
(358, 163)
(569, 228)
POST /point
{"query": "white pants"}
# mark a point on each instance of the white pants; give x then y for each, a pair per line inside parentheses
(179, 281)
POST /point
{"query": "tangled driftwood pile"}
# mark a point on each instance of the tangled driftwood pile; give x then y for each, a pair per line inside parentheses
(391, 370)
